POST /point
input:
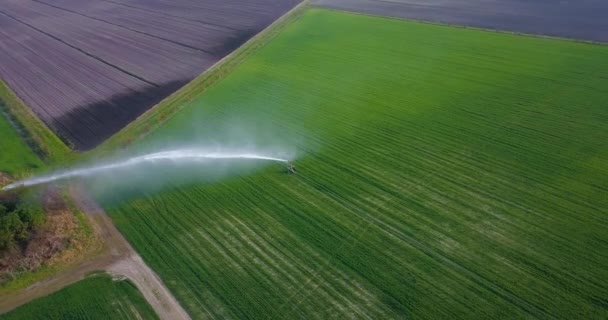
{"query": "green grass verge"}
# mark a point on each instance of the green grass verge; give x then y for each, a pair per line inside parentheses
(33, 131)
(15, 155)
(443, 173)
(161, 113)
(96, 297)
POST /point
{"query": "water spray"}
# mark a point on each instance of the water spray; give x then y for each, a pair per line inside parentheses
(173, 155)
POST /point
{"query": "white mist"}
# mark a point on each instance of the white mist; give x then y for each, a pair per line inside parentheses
(175, 157)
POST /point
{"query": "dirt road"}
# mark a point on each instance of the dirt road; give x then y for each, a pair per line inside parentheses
(130, 264)
(55, 283)
(119, 259)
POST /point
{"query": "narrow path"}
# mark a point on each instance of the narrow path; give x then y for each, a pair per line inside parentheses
(119, 259)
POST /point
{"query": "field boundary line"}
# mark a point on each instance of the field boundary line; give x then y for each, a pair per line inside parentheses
(116, 257)
(22, 133)
(160, 113)
(125, 261)
(53, 149)
(463, 26)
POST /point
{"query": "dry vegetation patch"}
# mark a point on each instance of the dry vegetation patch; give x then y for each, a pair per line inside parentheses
(60, 240)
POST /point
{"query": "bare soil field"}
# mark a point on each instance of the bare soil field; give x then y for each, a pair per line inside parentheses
(583, 20)
(88, 68)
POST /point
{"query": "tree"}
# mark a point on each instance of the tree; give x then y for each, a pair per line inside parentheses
(31, 215)
(16, 224)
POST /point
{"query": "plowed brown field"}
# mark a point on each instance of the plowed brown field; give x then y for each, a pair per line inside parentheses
(88, 68)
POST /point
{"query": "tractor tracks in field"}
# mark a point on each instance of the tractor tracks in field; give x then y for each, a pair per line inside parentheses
(119, 259)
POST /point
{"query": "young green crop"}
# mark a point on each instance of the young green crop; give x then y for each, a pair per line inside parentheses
(442, 173)
(96, 297)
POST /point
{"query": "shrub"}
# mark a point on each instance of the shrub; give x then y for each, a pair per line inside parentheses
(17, 222)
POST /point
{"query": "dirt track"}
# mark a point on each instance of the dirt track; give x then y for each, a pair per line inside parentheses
(118, 259)
(129, 263)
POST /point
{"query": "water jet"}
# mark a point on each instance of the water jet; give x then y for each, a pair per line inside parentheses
(189, 155)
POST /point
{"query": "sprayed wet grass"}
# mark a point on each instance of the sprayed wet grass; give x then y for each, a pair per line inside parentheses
(443, 173)
(97, 297)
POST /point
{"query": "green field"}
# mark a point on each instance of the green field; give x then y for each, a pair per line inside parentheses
(96, 297)
(15, 155)
(443, 173)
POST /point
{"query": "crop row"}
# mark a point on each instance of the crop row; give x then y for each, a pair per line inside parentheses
(442, 173)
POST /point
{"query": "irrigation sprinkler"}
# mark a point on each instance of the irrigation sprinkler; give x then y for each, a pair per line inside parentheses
(291, 168)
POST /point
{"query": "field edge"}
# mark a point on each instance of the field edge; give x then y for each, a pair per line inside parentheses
(159, 114)
(92, 248)
(93, 276)
(53, 149)
(464, 26)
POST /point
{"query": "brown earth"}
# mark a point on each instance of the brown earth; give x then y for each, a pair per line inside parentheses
(582, 20)
(98, 56)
